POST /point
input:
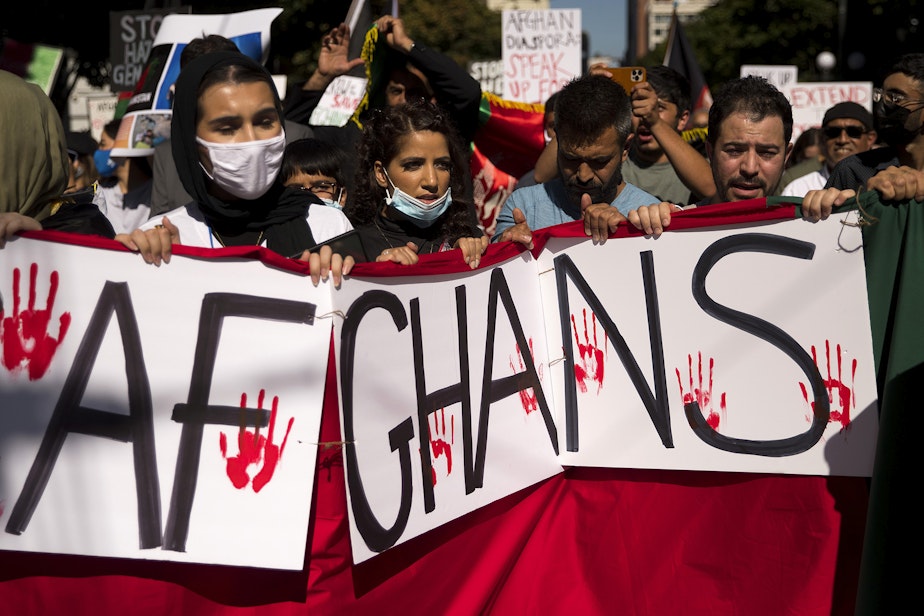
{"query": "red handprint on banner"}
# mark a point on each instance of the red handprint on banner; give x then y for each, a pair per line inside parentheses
(24, 335)
(437, 434)
(254, 449)
(846, 397)
(703, 395)
(590, 361)
(528, 397)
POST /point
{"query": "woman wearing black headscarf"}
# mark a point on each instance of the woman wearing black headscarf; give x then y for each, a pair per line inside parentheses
(227, 141)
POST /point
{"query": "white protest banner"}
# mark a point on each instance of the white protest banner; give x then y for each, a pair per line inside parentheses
(714, 350)
(339, 101)
(163, 413)
(811, 100)
(146, 122)
(441, 406)
(773, 372)
(541, 52)
(780, 76)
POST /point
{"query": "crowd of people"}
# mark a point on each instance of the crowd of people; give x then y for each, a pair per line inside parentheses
(610, 156)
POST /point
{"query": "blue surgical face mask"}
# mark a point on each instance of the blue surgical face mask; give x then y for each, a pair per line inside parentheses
(104, 163)
(420, 213)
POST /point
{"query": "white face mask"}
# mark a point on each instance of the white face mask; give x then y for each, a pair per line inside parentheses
(245, 170)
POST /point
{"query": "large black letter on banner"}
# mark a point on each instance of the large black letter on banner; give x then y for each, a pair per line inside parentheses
(377, 538)
(493, 390)
(137, 427)
(428, 403)
(197, 412)
(657, 404)
(777, 245)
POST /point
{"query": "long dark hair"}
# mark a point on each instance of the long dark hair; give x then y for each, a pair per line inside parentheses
(383, 135)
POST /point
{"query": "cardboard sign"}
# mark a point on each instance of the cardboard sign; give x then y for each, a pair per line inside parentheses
(541, 51)
(810, 101)
(339, 101)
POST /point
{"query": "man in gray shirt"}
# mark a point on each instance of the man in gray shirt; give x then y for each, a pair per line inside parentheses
(593, 120)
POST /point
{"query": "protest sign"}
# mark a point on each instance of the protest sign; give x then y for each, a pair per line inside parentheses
(339, 101)
(644, 367)
(743, 349)
(811, 100)
(441, 407)
(132, 35)
(158, 413)
(780, 76)
(146, 121)
(541, 52)
(490, 74)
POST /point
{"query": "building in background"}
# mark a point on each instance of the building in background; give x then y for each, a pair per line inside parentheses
(652, 22)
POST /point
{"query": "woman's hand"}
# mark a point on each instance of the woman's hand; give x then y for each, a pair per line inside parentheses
(405, 255)
(155, 245)
(325, 262)
(12, 223)
(472, 249)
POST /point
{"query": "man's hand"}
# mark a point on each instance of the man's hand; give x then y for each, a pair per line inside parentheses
(395, 35)
(520, 231)
(652, 219)
(600, 69)
(898, 184)
(645, 103)
(600, 219)
(817, 204)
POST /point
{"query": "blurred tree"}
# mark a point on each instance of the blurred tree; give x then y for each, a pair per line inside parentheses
(464, 30)
(736, 32)
(794, 32)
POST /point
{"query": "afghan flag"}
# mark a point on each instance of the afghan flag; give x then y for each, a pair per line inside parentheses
(507, 144)
(681, 57)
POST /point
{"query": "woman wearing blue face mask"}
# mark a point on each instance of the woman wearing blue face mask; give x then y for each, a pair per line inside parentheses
(123, 191)
(410, 196)
(227, 140)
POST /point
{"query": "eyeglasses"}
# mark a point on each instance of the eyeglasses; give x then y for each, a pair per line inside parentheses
(833, 132)
(893, 98)
(322, 187)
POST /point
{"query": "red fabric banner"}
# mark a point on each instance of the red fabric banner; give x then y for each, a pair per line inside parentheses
(587, 541)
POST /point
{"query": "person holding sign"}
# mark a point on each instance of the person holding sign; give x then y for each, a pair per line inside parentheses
(593, 123)
(748, 142)
(228, 141)
(411, 196)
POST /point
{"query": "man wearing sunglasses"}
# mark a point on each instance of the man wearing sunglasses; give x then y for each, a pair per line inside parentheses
(899, 110)
(848, 129)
